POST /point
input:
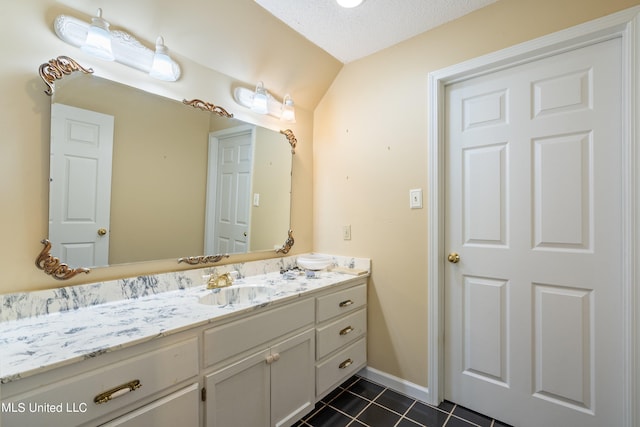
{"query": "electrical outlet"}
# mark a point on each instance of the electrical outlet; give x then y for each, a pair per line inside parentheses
(346, 232)
(415, 198)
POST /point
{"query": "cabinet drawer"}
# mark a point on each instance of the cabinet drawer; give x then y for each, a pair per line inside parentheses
(177, 409)
(341, 302)
(338, 368)
(236, 337)
(72, 402)
(340, 332)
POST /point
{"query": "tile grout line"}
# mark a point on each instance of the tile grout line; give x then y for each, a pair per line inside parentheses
(366, 407)
(455, 405)
(403, 416)
(354, 418)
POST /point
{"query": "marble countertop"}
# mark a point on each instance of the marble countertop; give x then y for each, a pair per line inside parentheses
(36, 344)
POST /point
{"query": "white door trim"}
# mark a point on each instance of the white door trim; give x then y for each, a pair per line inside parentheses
(625, 25)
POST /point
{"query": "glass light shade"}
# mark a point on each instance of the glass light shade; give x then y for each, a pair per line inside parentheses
(260, 101)
(98, 41)
(349, 3)
(288, 110)
(163, 68)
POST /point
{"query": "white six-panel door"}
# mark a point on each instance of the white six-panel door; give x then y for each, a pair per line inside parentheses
(229, 207)
(532, 206)
(80, 185)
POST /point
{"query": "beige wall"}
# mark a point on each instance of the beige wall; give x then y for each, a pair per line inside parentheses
(271, 177)
(27, 40)
(370, 148)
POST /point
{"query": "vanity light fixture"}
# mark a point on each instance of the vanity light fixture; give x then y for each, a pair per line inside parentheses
(261, 101)
(97, 39)
(349, 3)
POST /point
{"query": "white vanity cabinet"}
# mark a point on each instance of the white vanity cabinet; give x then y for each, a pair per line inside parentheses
(269, 384)
(341, 327)
(149, 379)
(262, 366)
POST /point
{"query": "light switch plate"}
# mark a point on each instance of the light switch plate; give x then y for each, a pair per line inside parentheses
(415, 198)
(346, 232)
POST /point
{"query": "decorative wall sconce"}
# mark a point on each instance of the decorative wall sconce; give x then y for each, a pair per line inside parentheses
(116, 45)
(263, 102)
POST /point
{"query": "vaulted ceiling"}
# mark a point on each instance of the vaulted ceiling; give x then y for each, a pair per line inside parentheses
(350, 34)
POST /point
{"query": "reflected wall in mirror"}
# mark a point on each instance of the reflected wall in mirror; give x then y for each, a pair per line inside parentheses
(149, 178)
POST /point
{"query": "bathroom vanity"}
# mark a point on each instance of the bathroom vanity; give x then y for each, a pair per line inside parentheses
(178, 357)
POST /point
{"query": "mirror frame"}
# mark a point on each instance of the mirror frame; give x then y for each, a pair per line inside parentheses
(58, 68)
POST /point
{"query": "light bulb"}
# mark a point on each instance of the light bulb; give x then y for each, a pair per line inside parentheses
(349, 3)
(98, 41)
(163, 67)
(260, 100)
(288, 110)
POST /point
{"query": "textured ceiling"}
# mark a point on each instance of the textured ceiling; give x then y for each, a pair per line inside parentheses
(350, 34)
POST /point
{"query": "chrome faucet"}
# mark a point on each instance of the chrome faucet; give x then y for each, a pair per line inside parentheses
(219, 281)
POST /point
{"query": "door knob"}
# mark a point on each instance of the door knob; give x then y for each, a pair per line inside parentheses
(102, 231)
(453, 258)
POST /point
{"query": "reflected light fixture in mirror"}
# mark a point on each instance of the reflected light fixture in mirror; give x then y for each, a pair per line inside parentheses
(262, 102)
(288, 111)
(349, 3)
(95, 38)
(98, 41)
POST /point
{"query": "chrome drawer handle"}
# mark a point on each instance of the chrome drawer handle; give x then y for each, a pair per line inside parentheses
(345, 363)
(117, 391)
(346, 303)
(346, 330)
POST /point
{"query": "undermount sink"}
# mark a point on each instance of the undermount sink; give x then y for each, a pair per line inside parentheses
(314, 261)
(238, 296)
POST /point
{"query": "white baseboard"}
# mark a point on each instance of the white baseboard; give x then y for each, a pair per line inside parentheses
(398, 384)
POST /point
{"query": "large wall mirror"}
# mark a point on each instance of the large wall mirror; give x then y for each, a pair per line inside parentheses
(137, 177)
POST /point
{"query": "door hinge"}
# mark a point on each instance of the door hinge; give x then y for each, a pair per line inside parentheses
(203, 394)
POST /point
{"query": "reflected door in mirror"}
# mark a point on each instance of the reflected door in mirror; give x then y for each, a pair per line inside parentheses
(80, 185)
(230, 166)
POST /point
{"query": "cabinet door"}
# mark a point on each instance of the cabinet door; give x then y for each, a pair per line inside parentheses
(177, 409)
(292, 379)
(238, 395)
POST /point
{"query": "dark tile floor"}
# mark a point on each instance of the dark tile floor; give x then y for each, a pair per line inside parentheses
(359, 402)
